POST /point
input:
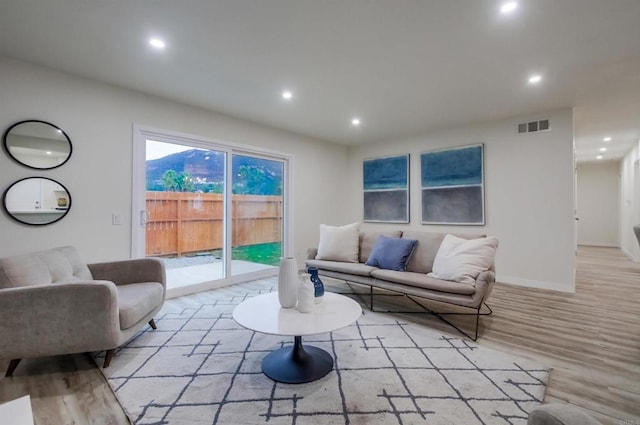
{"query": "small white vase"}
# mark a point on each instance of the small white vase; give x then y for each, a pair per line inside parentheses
(306, 294)
(287, 282)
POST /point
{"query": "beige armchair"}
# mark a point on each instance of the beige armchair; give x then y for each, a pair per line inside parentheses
(52, 303)
(560, 414)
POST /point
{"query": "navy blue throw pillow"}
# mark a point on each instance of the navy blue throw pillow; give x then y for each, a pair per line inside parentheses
(391, 253)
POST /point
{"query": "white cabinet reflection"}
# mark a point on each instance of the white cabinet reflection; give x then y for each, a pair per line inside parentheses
(37, 200)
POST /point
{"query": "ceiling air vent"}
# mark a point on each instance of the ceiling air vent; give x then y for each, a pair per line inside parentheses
(533, 126)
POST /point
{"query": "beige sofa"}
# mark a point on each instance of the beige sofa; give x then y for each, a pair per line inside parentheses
(52, 303)
(413, 282)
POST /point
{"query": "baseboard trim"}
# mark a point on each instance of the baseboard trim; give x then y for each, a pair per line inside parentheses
(566, 287)
(598, 244)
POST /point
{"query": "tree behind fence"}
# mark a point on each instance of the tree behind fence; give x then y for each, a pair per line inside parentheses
(186, 222)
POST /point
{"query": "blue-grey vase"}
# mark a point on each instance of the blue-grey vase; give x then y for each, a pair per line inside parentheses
(317, 283)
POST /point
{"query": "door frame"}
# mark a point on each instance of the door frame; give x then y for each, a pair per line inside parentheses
(140, 135)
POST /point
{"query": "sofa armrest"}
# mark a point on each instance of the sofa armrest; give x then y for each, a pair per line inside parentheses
(58, 318)
(484, 284)
(311, 253)
(130, 271)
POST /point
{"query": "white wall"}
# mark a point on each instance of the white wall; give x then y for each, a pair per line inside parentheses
(630, 206)
(99, 120)
(529, 194)
(528, 179)
(599, 203)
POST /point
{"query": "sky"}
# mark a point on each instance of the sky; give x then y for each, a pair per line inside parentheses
(157, 150)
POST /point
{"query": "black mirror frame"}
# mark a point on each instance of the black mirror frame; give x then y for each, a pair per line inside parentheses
(6, 147)
(6, 210)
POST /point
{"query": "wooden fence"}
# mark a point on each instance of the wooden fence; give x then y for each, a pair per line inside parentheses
(185, 222)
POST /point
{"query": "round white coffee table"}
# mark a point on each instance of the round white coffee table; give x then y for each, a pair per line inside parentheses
(296, 364)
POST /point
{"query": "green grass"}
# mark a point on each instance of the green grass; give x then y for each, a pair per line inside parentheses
(264, 253)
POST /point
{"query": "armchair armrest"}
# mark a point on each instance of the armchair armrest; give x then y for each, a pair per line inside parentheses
(130, 271)
(58, 318)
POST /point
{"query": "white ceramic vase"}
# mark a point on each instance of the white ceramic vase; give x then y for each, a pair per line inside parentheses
(306, 294)
(288, 282)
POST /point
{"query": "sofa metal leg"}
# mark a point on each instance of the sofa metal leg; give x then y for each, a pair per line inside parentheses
(107, 358)
(473, 338)
(13, 364)
(477, 314)
(371, 298)
(439, 315)
(152, 323)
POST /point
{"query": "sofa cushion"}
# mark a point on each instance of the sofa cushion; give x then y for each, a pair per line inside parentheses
(421, 280)
(57, 265)
(426, 249)
(368, 239)
(462, 260)
(391, 253)
(339, 243)
(342, 267)
(136, 300)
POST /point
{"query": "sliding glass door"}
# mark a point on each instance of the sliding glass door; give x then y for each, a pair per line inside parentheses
(256, 212)
(185, 211)
(213, 213)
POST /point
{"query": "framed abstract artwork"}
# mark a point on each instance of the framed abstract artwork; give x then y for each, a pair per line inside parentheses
(386, 189)
(453, 186)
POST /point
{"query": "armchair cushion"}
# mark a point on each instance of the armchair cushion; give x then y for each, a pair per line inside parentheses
(560, 414)
(136, 300)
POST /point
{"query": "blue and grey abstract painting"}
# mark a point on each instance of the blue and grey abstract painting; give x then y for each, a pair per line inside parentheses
(453, 186)
(386, 189)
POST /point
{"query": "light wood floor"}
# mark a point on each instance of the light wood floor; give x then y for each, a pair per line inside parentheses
(591, 339)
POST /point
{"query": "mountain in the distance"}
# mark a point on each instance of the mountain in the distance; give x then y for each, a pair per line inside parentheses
(208, 166)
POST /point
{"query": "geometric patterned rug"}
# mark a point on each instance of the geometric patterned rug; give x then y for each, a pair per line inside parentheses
(200, 367)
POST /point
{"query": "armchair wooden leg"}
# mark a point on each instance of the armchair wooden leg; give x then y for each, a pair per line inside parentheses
(152, 323)
(107, 358)
(13, 364)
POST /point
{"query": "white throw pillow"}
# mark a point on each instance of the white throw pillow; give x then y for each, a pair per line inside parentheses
(462, 260)
(339, 243)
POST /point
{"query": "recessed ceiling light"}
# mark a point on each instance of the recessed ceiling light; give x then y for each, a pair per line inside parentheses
(157, 43)
(606, 139)
(287, 95)
(508, 7)
(355, 122)
(535, 79)
(599, 157)
(48, 152)
(603, 149)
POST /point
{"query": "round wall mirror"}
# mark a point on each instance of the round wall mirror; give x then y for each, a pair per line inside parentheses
(37, 144)
(37, 201)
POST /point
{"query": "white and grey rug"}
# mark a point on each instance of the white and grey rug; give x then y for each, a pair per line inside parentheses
(200, 367)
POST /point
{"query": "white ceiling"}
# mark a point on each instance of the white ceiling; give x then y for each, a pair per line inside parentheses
(405, 67)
